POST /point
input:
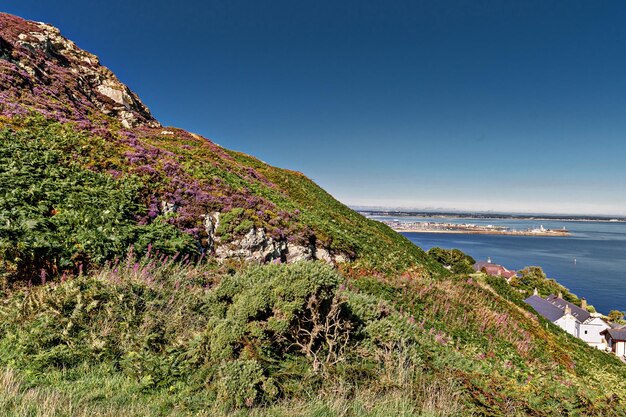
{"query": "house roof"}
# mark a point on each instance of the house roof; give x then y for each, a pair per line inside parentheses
(481, 264)
(581, 314)
(493, 269)
(545, 308)
(616, 334)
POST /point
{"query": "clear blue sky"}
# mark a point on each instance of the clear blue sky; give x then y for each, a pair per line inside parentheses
(502, 105)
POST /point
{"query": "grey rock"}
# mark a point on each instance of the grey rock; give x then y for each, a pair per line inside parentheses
(257, 247)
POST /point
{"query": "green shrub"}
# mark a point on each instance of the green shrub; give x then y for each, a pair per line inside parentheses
(241, 383)
(453, 259)
(533, 277)
(272, 310)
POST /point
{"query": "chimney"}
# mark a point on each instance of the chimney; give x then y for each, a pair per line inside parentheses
(560, 295)
(567, 309)
(583, 303)
(535, 292)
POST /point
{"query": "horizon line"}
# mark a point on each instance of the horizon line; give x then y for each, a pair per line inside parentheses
(441, 210)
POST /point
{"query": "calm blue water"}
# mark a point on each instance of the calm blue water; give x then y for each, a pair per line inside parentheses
(599, 248)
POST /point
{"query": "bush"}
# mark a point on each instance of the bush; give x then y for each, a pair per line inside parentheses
(533, 277)
(242, 383)
(268, 311)
(453, 259)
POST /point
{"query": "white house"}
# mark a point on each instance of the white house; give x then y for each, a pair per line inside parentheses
(575, 320)
(616, 340)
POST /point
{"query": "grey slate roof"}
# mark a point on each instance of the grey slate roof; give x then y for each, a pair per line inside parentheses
(579, 313)
(616, 334)
(545, 308)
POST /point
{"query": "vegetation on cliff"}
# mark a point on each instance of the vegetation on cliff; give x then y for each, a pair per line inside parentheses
(73, 199)
(115, 300)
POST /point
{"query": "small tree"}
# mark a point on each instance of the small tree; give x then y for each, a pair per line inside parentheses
(533, 277)
(616, 315)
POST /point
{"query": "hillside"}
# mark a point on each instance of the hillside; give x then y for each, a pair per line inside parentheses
(148, 271)
(208, 199)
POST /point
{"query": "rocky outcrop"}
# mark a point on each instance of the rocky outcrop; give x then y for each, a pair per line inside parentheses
(256, 246)
(58, 79)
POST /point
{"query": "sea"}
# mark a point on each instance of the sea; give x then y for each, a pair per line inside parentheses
(591, 262)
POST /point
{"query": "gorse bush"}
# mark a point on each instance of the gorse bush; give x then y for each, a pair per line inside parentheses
(280, 309)
(453, 259)
(239, 384)
(242, 340)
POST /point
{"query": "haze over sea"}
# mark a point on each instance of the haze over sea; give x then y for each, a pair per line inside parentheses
(591, 262)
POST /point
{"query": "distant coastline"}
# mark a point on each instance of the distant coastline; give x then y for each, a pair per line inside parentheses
(555, 233)
(433, 227)
(499, 216)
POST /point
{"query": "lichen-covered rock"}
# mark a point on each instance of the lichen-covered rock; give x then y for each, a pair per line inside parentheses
(254, 246)
(43, 71)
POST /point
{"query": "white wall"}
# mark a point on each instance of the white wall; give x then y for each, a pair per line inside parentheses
(589, 331)
(569, 324)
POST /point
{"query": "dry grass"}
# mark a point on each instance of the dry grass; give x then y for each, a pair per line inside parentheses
(18, 400)
(432, 398)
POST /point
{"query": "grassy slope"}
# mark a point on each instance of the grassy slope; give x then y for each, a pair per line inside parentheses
(473, 334)
(198, 177)
(375, 242)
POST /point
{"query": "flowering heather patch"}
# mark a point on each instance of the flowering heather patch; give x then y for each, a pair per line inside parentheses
(44, 72)
(167, 190)
(169, 168)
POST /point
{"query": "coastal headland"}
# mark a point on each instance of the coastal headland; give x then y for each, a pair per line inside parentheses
(436, 227)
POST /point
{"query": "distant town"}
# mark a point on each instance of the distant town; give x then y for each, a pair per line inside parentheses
(437, 227)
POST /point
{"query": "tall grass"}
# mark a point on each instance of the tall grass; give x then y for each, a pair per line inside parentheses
(163, 336)
(18, 399)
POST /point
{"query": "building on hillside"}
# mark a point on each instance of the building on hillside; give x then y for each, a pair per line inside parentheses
(494, 269)
(615, 338)
(575, 320)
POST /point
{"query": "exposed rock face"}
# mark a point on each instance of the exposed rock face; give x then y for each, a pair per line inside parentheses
(43, 71)
(256, 246)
